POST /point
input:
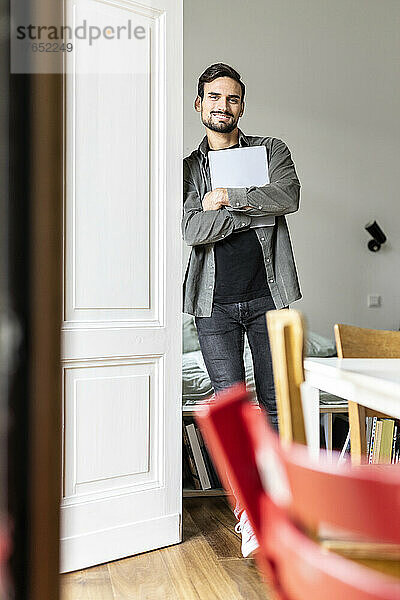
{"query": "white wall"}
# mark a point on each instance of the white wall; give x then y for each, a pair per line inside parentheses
(324, 76)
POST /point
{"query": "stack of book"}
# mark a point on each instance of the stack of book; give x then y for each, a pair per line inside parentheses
(383, 440)
(198, 470)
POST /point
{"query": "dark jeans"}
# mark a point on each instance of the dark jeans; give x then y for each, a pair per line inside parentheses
(221, 338)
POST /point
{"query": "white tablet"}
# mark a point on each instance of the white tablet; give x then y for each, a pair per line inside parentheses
(243, 168)
(239, 167)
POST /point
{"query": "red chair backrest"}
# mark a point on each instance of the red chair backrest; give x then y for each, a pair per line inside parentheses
(281, 487)
(368, 497)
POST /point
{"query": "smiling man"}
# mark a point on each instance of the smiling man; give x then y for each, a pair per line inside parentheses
(236, 272)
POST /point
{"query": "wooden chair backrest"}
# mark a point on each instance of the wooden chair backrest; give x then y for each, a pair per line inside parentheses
(359, 342)
(286, 336)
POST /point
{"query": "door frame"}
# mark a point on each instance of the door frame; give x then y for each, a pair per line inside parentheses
(46, 157)
(45, 314)
(33, 296)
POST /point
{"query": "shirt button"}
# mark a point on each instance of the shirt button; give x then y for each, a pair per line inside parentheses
(210, 286)
(271, 280)
(262, 239)
(268, 260)
(260, 207)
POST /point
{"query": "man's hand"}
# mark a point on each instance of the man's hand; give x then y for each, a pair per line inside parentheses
(215, 199)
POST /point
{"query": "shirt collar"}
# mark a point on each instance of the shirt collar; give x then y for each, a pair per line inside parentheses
(204, 148)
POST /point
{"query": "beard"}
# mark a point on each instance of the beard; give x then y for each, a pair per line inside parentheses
(221, 127)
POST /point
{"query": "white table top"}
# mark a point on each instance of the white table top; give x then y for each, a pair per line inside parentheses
(373, 382)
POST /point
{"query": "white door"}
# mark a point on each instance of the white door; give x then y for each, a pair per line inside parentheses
(122, 281)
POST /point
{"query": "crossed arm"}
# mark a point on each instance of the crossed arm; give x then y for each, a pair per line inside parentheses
(279, 197)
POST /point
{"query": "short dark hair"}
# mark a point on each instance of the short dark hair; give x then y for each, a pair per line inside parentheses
(218, 70)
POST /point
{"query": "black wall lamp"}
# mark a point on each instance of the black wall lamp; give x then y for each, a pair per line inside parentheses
(378, 237)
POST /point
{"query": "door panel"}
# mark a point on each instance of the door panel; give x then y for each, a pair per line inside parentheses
(122, 285)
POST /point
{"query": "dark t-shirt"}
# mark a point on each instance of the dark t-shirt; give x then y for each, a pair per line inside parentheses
(239, 267)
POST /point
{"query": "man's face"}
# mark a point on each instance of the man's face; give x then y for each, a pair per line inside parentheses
(221, 106)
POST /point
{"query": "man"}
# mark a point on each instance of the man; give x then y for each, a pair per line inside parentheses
(236, 272)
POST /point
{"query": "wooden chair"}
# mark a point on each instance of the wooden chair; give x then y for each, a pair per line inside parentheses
(286, 329)
(286, 334)
(284, 493)
(358, 342)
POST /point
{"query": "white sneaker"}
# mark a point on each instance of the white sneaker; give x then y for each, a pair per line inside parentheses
(249, 540)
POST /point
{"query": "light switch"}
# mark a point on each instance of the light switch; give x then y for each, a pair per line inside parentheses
(374, 300)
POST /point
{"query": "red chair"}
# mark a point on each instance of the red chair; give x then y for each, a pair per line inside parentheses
(5, 551)
(285, 494)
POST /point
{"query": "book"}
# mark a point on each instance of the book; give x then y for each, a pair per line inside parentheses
(262, 221)
(190, 459)
(207, 460)
(372, 440)
(368, 422)
(198, 457)
(186, 472)
(377, 444)
(385, 453)
(394, 444)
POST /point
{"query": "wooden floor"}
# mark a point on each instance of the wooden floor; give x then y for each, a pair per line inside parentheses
(207, 565)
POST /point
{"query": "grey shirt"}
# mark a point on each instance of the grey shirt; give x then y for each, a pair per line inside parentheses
(201, 229)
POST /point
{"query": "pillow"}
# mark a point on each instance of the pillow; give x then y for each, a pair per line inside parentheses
(190, 340)
(196, 384)
(318, 345)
